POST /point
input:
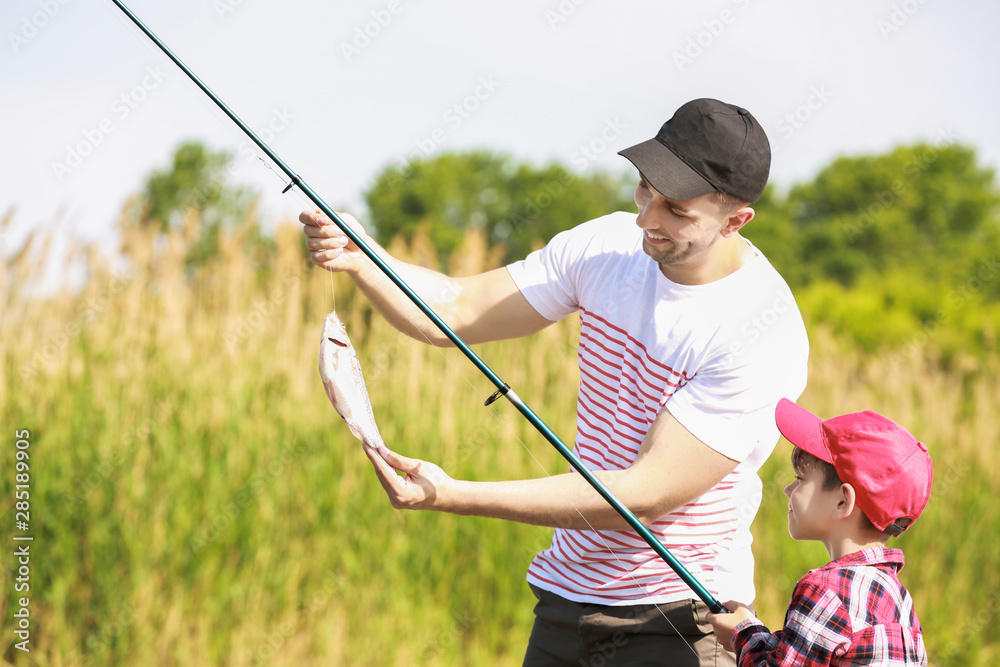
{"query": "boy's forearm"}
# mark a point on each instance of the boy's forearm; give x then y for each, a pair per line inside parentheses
(800, 643)
(753, 644)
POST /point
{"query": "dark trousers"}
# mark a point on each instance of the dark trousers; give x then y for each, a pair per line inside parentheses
(593, 635)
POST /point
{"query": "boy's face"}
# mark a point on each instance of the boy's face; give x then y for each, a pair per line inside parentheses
(810, 508)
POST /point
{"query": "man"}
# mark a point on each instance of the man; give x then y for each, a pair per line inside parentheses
(688, 339)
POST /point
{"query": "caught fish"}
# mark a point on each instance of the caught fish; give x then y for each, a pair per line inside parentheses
(345, 385)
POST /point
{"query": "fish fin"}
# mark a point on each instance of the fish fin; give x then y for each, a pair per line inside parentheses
(328, 386)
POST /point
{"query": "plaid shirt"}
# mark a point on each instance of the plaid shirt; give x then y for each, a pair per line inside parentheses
(852, 611)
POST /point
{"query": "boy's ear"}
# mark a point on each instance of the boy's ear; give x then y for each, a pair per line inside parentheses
(846, 502)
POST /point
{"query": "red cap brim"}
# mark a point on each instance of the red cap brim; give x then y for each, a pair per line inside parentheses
(801, 428)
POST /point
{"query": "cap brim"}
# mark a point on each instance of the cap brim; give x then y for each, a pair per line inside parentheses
(666, 172)
(801, 428)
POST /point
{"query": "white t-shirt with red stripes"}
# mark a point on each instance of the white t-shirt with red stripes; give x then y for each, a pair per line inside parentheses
(717, 356)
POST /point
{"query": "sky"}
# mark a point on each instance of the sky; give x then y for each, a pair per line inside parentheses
(89, 107)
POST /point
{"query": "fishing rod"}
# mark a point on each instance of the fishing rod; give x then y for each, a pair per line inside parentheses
(503, 389)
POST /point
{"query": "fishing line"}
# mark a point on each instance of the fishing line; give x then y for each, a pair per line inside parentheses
(255, 148)
(503, 389)
(245, 150)
(510, 429)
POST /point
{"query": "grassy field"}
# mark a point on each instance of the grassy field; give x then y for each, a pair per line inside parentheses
(195, 500)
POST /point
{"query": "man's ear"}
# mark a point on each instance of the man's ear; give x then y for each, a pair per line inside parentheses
(737, 219)
(846, 503)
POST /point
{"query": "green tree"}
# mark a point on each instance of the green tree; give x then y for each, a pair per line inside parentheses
(199, 179)
(892, 249)
(519, 205)
(773, 231)
(922, 208)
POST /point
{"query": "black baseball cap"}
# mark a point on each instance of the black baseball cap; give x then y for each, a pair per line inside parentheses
(706, 146)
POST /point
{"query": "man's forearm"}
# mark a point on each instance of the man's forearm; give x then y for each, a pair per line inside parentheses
(478, 308)
(437, 290)
(653, 486)
(560, 501)
(657, 483)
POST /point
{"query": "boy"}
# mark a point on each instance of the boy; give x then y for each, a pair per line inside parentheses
(859, 479)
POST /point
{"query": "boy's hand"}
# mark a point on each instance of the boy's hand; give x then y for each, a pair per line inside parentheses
(724, 623)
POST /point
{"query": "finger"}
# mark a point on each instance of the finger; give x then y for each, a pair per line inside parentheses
(398, 461)
(387, 477)
(325, 232)
(326, 242)
(349, 219)
(378, 460)
(328, 259)
(312, 218)
(318, 232)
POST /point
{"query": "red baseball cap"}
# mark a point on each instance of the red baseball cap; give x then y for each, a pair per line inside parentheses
(890, 470)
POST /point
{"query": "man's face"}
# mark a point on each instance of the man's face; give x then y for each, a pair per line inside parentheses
(677, 232)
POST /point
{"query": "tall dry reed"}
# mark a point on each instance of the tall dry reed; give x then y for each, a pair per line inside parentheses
(197, 501)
